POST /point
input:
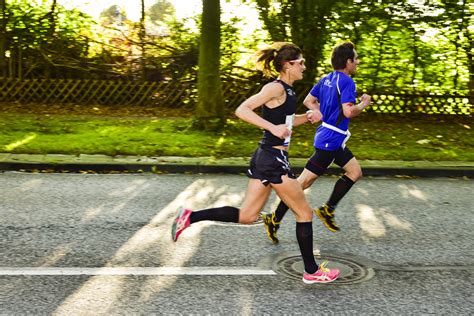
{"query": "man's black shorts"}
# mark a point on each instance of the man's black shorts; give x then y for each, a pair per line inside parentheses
(321, 159)
(269, 165)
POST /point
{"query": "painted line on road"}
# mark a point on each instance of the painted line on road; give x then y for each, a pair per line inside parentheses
(165, 271)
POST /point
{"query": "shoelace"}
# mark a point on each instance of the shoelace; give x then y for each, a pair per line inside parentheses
(274, 221)
(323, 268)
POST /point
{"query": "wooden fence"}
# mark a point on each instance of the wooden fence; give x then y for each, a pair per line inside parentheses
(172, 94)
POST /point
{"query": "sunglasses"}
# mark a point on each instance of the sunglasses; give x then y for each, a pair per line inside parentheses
(299, 61)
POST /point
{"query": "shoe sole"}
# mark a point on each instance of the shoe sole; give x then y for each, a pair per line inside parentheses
(274, 240)
(323, 219)
(320, 282)
(173, 231)
(175, 225)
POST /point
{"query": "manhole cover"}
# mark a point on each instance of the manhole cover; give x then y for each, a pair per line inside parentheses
(351, 271)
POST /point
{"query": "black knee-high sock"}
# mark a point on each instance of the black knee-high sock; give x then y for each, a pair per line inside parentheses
(219, 214)
(304, 235)
(342, 186)
(280, 211)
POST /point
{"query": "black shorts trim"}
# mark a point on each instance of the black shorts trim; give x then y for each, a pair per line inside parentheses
(319, 162)
(269, 165)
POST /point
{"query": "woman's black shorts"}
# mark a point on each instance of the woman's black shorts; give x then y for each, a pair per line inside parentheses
(269, 164)
(321, 159)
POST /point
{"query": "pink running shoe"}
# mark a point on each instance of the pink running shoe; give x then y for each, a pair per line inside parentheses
(181, 222)
(323, 275)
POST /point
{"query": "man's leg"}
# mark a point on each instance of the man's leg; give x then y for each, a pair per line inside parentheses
(315, 167)
(353, 172)
(345, 183)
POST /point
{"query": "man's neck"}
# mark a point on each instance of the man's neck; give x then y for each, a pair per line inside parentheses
(345, 71)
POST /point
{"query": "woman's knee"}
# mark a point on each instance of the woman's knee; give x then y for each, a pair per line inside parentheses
(303, 215)
(248, 217)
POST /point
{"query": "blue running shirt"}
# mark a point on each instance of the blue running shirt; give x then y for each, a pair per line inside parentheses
(326, 93)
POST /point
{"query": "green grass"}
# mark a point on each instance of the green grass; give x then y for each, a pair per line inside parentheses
(378, 137)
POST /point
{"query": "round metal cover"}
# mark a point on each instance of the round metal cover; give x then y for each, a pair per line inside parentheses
(351, 271)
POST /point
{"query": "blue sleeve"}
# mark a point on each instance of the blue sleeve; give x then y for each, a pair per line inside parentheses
(315, 90)
(348, 91)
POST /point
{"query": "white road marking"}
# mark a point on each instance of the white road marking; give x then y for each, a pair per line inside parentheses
(165, 271)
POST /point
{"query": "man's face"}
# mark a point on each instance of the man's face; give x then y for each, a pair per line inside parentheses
(352, 64)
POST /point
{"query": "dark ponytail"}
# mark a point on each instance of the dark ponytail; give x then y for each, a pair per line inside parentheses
(278, 53)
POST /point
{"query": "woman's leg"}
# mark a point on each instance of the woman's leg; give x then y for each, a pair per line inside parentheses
(305, 179)
(255, 198)
(291, 193)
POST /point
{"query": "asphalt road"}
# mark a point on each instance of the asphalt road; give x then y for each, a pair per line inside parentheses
(414, 235)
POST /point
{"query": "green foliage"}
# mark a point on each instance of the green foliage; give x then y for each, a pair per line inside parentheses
(377, 137)
(413, 46)
(405, 45)
(41, 39)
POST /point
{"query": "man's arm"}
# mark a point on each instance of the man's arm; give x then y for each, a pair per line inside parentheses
(350, 110)
(313, 114)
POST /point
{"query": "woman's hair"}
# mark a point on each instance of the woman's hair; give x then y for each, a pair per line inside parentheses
(278, 53)
(341, 53)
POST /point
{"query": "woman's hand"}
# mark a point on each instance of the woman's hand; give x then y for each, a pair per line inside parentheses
(280, 131)
(314, 116)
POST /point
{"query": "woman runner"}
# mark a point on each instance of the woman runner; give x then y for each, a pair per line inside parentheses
(269, 166)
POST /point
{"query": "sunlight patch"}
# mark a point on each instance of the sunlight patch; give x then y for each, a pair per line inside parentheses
(418, 194)
(30, 185)
(19, 143)
(413, 191)
(396, 222)
(58, 254)
(369, 222)
(102, 293)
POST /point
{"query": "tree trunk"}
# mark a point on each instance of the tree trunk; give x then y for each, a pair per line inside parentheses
(142, 41)
(306, 21)
(3, 38)
(209, 110)
(50, 40)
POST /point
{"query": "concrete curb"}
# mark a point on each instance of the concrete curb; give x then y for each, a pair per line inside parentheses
(238, 165)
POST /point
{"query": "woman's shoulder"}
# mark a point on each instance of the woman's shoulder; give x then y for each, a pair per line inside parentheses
(274, 87)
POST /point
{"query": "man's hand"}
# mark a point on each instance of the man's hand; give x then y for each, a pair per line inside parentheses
(365, 100)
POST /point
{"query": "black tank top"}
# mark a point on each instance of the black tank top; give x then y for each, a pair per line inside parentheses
(278, 115)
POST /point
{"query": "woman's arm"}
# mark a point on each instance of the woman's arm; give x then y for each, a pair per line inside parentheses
(300, 119)
(245, 111)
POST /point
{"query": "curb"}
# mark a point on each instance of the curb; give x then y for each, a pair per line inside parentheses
(76, 167)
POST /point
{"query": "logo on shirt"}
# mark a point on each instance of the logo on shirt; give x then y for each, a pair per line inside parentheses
(327, 83)
(290, 92)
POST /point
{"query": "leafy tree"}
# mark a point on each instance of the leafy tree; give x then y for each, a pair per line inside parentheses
(458, 28)
(113, 15)
(304, 22)
(161, 10)
(42, 41)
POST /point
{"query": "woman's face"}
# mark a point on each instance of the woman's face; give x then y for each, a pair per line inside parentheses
(297, 67)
